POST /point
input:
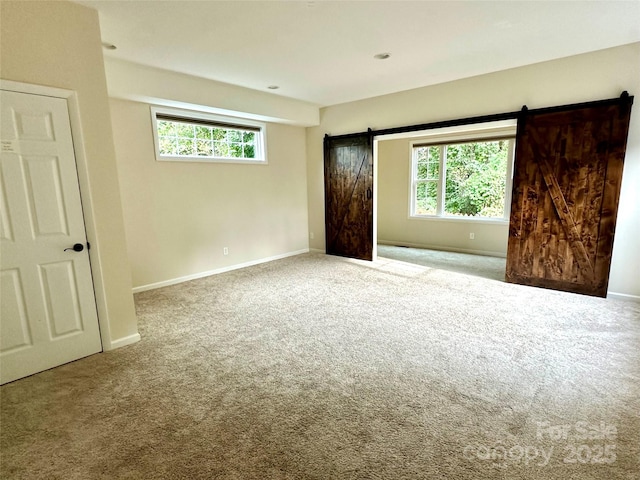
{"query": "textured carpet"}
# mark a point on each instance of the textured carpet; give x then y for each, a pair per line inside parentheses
(477, 265)
(316, 367)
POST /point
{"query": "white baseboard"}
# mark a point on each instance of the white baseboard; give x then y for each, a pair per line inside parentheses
(623, 296)
(441, 248)
(123, 342)
(195, 276)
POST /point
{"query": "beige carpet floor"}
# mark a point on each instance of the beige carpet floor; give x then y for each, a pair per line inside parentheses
(478, 265)
(317, 367)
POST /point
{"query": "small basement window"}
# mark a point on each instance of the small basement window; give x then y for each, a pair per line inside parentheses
(187, 136)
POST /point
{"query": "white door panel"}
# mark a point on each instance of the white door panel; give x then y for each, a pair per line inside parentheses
(47, 302)
(16, 333)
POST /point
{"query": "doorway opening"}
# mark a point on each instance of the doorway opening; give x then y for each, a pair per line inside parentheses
(49, 310)
(444, 195)
(566, 188)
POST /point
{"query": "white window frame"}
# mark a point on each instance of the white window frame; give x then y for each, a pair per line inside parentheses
(481, 132)
(213, 119)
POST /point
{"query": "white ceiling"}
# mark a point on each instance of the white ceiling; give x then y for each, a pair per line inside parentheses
(322, 51)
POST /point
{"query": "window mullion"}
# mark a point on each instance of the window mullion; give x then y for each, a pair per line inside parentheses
(194, 142)
(414, 180)
(441, 180)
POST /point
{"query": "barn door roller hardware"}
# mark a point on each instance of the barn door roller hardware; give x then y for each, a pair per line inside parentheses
(625, 98)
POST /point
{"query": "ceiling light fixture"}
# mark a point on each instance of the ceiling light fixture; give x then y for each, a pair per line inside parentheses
(108, 46)
(382, 56)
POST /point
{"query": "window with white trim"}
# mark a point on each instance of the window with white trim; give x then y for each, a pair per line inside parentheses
(181, 135)
(462, 177)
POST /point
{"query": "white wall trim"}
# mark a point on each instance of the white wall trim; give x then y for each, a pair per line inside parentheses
(123, 342)
(623, 296)
(34, 89)
(195, 276)
(442, 248)
(85, 193)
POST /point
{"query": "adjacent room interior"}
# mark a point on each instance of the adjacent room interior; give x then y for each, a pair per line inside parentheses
(468, 230)
(170, 304)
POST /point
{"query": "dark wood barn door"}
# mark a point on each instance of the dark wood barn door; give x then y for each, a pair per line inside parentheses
(567, 175)
(348, 180)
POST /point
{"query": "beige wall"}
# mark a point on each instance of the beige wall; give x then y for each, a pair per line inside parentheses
(179, 216)
(593, 76)
(140, 83)
(396, 228)
(58, 44)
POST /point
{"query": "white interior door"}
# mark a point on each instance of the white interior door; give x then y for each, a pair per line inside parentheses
(47, 305)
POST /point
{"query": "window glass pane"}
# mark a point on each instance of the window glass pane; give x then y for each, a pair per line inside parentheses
(426, 198)
(433, 163)
(234, 136)
(221, 149)
(422, 173)
(184, 130)
(235, 150)
(205, 148)
(428, 163)
(166, 128)
(207, 138)
(203, 132)
(249, 151)
(185, 146)
(219, 134)
(476, 179)
(168, 146)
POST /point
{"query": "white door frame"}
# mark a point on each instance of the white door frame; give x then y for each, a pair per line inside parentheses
(85, 193)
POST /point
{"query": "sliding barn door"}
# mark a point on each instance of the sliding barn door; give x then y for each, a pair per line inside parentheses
(567, 175)
(348, 178)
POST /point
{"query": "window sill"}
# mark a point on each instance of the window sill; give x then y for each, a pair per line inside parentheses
(485, 221)
(196, 159)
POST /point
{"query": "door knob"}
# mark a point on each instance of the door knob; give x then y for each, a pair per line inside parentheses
(78, 247)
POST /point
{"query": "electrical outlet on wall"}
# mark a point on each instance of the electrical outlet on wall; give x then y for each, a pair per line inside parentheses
(472, 236)
(225, 250)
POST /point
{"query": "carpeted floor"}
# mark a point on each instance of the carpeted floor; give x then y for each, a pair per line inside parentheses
(477, 265)
(317, 367)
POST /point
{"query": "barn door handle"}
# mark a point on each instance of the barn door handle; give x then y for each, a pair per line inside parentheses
(78, 247)
(369, 194)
